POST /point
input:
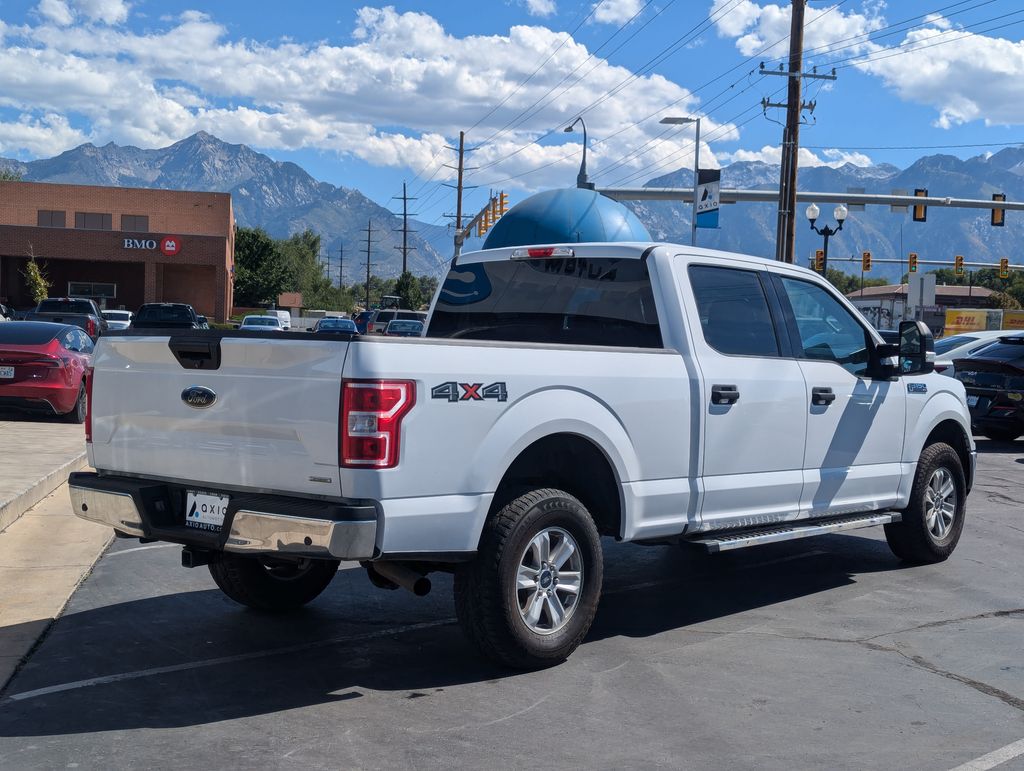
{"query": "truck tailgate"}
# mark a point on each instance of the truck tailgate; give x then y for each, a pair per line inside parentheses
(273, 425)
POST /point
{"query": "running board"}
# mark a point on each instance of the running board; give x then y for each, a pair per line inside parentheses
(791, 531)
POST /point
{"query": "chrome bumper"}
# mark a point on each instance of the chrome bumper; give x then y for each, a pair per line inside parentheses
(250, 532)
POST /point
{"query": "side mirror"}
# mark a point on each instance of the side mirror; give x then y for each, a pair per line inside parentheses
(917, 348)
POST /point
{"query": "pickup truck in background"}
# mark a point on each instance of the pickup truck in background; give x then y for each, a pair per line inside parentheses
(166, 316)
(78, 312)
(650, 393)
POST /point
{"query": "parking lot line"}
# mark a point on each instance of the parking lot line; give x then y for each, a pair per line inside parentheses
(994, 758)
(140, 673)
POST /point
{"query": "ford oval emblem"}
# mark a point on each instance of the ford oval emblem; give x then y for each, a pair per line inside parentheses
(198, 397)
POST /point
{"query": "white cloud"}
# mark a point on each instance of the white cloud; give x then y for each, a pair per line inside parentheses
(963, 76)
(616, 11)
(540, 7)
(56, 11)
(106, 11)
(45, 136)
(773, 154)
(764, 29)
(390, 97)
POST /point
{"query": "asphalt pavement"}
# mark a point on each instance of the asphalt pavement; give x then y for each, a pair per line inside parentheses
(820, 653)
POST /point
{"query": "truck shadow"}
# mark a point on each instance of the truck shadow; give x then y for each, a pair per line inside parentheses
(194, 658)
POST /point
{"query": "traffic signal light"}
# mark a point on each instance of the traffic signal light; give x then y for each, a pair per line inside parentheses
(485, 220)
(819, 260)
(502, 203)
(912, 263)
(958, 263)
(865, 262)
(920, 210)
(494, 210)
(998, 215)
(1004, 268)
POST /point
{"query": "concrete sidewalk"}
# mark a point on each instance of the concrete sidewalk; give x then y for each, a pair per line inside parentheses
(43, 558)
(36, 456)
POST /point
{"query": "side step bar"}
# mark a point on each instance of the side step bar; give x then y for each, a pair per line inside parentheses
(716, 542)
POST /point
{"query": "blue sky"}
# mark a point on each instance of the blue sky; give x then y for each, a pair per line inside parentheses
(366, 95)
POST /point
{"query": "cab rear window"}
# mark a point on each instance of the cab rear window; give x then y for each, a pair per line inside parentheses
(607, 301)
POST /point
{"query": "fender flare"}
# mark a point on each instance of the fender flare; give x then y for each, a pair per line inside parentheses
(941, 407)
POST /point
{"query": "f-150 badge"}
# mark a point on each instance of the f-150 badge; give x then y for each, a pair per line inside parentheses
(469, 392)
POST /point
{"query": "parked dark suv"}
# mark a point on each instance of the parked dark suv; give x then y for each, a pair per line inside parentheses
(166, 316)
(994, 378)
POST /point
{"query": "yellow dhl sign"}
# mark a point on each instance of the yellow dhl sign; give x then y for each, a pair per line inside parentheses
(958, 321)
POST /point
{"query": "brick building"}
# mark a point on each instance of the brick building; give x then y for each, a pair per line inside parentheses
(120, 246)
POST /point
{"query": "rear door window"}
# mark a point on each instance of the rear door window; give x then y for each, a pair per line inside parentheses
(733, 309)
(574, 301)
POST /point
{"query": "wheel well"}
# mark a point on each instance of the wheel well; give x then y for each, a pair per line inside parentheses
(571, 463)
(952, 433)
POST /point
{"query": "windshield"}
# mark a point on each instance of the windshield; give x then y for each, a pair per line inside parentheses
(261, 321)
(163, 314)
(65, 306)
(607, 301)
(343, 324)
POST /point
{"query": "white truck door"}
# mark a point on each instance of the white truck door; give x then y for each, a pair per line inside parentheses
(855, 424)
(752, 397)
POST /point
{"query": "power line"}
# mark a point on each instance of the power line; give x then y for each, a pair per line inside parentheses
(916, 147)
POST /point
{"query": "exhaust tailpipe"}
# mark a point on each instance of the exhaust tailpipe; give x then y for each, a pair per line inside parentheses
(405, 577)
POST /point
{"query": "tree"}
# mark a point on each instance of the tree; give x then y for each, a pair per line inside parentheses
(260, 270)
(35, 281)
(428, 287)
(1003, 300)
(10, 175)
(847, 283)
(408, 288)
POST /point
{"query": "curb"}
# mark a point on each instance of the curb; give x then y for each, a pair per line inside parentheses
(11, 510)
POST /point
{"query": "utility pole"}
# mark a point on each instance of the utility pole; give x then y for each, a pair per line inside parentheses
(461, 168)
(786, 230)
(369, 240)
(404, 248)
(341, 264)
(791, 137)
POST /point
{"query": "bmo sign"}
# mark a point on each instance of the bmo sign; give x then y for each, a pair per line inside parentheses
(168, 245)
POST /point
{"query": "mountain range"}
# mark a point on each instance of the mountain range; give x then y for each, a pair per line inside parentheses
(279, 197)
(751, 227)
(283, 198)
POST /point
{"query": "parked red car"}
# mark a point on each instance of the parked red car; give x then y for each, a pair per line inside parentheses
(43, 367)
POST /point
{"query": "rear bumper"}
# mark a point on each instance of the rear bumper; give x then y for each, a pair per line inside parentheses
(254, 524)
(52, 397)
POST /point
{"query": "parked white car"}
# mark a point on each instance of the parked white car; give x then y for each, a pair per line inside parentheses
(650, 393)
(284, 316)
(960, 346)
(118, 319)
(261, 324)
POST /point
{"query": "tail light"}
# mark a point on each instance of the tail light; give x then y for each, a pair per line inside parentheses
(371, 421)
(88, 405)
(90, 327)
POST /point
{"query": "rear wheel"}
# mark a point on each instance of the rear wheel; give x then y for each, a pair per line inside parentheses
(77, 414)
(272, 585)
(933, 521)
(530, 596)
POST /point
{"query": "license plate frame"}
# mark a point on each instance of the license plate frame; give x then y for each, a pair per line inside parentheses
(206, 510)
(6, 373)
(972, 400)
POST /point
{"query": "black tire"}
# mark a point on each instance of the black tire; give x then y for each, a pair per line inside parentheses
(273, 586)
(487, 601)
(77, 414)
(1002, 434)
(913, 539)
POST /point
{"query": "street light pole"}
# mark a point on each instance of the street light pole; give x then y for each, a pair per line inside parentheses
(840, 214)
(581, 177)
(696, 169)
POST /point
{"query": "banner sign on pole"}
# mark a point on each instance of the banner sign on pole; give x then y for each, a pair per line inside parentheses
(708, 186)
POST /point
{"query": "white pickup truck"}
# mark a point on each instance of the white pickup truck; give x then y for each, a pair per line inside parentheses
(648, 393)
